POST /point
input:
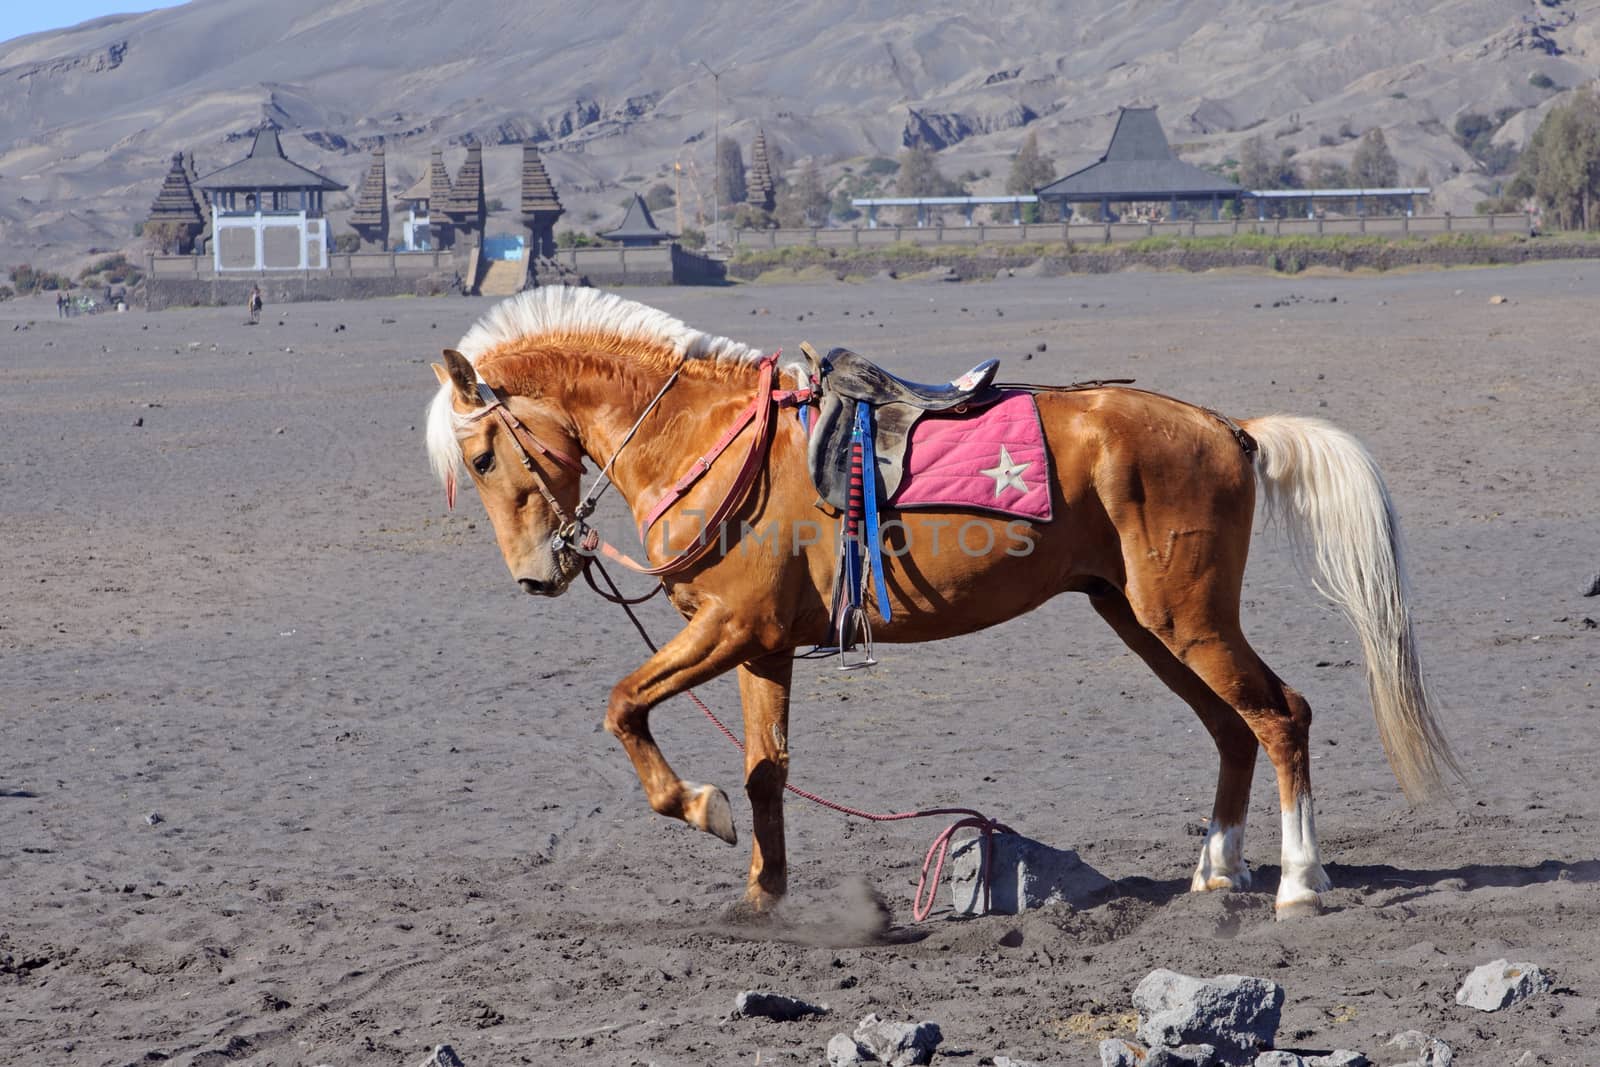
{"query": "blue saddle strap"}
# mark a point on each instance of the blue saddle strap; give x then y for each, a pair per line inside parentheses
(869, 506)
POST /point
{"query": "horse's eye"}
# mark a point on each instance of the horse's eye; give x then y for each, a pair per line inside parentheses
(484, 462)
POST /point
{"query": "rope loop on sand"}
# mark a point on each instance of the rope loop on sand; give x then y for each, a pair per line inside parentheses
(927, 889)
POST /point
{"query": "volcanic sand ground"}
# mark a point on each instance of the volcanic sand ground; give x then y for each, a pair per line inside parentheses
(390, 818)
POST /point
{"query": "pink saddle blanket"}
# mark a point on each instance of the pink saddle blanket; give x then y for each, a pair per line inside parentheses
(992, 459)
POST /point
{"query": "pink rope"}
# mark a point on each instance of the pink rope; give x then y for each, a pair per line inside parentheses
(921, 907)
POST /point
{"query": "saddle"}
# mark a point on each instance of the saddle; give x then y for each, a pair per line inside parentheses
(842, 382)
(861, 429)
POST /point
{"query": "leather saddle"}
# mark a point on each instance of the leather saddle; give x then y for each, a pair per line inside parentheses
(842, 381)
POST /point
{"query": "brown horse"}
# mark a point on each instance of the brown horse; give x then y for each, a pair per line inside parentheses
(1161, 499)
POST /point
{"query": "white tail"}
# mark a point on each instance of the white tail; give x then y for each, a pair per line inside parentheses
(1327, 491)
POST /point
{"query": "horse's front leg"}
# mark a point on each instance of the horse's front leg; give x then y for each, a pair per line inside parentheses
(710, 645)
(764, 690)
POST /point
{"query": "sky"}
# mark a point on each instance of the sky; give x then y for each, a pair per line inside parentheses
(19, 17)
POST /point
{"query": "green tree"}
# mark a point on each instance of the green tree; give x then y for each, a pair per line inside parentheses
(1561, 167)
(1255, 165)
(805, 202)
(1327, 174)
(1030, 170)
(164, 237)
(659, 196)
(920, 176)
(731, 173)
(1374, 166)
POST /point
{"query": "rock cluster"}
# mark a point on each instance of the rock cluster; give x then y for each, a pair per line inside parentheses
(878, 1041)
(1232, 1021)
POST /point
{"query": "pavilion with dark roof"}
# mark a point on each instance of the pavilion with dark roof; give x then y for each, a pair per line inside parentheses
(1139, 166)
(267, 210)
(638, 229)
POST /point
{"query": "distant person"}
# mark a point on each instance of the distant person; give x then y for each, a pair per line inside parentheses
(254, 304)
(61, 305)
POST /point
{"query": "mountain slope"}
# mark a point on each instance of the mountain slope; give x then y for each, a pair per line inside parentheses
(90, 116)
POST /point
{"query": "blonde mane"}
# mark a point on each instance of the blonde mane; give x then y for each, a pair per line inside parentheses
(559, 312)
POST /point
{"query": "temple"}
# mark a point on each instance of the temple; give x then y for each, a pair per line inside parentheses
(267, 211)
(465, 206)
(761, 190)
(175, 219)
(638, 229)
(370, 219)
(1139, 166)
(541, 208)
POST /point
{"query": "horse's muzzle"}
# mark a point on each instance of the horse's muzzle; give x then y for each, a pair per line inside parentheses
(533, 587)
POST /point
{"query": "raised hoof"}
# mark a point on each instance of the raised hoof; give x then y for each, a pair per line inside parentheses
(1300, 908)
(711, 812)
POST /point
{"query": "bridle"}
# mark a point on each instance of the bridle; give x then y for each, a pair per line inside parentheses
(575, 543)
(526, 441)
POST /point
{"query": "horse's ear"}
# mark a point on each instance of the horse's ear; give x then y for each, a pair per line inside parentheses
(461, 375)
(440, 373)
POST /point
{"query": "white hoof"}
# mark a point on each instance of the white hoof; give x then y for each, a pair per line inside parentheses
(1215, 882)
(1222, 866)
(1300, 892)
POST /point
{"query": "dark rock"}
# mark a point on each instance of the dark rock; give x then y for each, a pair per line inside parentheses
(752, 1003)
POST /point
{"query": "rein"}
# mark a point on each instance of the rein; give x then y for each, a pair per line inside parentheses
(922, 903)
(575, 533)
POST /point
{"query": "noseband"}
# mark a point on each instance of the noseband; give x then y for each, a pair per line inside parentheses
(575, 538)
(571, 530)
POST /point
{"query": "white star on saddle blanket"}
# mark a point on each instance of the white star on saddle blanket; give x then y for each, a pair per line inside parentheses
(1007, 474)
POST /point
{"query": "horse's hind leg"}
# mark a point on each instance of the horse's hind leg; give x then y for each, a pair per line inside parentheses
(1208, 640)
(1222, 864)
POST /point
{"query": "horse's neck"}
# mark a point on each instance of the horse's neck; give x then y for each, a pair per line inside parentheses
(685, 422)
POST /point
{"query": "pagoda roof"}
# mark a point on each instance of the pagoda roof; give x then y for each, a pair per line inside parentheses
(1138, 164)
(637, 225)
(176, 201)
(372, 205)
(538, 194)
(466, 192)
(438, 181)
(266, 167)
(759, 186)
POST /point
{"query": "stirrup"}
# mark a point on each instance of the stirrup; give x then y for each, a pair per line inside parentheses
(858, 615)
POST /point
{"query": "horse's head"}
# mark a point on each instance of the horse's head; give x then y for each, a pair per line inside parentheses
(521, 452)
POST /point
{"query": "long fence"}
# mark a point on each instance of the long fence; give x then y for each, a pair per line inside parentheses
(340, 265)
(1086, 233)
(175, 280)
